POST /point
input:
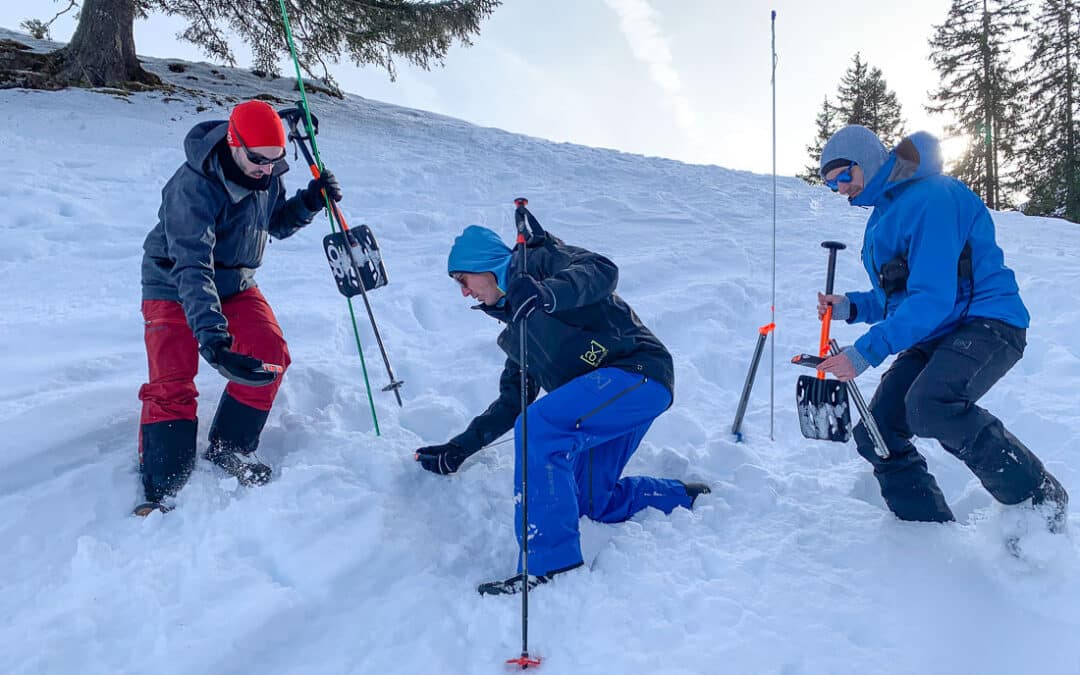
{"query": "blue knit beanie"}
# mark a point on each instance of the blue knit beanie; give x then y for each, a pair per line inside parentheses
(854, 143)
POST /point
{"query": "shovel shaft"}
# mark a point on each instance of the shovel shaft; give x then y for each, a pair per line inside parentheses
(830, 277)
(868, 421)
(823, 346)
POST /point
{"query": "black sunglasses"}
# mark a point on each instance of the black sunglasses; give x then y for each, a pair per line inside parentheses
(255, 158)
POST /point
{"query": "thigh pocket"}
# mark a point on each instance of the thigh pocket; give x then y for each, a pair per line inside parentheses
(975, 357)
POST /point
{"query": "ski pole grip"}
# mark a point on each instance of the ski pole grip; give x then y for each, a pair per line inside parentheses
(833, 247)
(520, 221)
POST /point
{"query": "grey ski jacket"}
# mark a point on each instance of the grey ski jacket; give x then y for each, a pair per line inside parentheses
(211, 233)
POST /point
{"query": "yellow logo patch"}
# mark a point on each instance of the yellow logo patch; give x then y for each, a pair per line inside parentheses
(595, 354)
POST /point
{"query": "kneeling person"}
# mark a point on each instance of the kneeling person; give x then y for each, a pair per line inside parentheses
(607, 377)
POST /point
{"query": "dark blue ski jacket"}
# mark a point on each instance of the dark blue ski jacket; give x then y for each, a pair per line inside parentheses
(591, 326)
(211, 233)
(928, 218)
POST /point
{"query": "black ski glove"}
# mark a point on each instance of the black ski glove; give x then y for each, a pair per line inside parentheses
(312, 195)
(236, 367)
(525, 294)
(442, 459)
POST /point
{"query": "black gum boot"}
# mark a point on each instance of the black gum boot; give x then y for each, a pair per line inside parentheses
(167, 456)
(234, 436)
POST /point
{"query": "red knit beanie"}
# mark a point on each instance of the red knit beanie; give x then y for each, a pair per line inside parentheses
(258, 124)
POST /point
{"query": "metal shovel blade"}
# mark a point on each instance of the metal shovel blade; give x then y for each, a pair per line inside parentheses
(824, 413)
(363, 266)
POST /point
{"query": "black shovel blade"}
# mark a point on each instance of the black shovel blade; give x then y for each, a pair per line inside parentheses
(824, 413)
(368, 269)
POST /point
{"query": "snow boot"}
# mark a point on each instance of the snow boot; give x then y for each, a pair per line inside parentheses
(146, 508)
(166, 457)
(695, 490)
(247, 468)
(1052, 501)
(513, 585)
(234, 436)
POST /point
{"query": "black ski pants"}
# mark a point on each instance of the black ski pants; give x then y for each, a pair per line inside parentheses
(930, 391)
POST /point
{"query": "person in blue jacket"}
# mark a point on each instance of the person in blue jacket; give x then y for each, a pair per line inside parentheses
(942, 300)
(606, 375)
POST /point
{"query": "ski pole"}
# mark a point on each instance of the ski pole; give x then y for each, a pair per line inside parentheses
(868, 420)
(395, 384)
(524, 661)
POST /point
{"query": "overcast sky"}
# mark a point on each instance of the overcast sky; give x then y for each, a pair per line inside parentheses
(685, 79)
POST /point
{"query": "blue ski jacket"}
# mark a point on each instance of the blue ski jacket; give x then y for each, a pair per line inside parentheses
(928, 218)
(211, 233)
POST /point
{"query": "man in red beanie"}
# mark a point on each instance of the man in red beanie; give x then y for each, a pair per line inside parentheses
(199, 297)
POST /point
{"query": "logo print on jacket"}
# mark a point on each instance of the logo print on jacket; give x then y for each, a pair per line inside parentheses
(595, 354)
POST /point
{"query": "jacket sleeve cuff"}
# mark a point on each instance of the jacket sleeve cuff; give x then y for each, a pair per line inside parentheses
(858, 361)
(465, 441)
(844, 309)
(872, 349)
(861, 305)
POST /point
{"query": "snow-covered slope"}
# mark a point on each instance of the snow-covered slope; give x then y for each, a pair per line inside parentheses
(354, 560)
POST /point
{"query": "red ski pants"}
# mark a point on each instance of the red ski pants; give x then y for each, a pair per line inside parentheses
(173, 355)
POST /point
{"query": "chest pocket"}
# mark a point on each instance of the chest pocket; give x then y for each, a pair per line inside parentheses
(242, 232)
(893, 275)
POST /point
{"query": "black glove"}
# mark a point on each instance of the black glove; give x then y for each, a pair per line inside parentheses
(525, 294)
(442, 459)
(235, 367)
(312, 195)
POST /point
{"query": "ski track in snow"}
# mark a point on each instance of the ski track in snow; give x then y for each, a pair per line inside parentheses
(355, 561)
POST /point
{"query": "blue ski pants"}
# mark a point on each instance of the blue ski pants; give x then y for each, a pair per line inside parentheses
(580, 438)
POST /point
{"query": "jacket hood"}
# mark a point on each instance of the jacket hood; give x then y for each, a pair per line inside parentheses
(854, 143)
(916, 157)
(200, 141)
(479, 249)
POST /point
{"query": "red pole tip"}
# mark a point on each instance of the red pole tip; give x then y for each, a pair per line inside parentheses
(524, 661)
(521, 201)
(767, 328)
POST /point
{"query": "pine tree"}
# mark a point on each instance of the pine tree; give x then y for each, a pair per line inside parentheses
(1051, 157)
(826, 127)
(981, 90)
(102, 50)
(863, 97)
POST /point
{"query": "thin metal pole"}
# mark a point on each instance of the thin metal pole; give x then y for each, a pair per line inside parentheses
(880, 448)
(772, 306)
(521, 223)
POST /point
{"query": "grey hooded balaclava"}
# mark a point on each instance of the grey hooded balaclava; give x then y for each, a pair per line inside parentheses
(854, 143)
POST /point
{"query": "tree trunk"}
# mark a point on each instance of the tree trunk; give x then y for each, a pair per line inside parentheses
(989, 140)
(1072, 152)
(102, 51)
